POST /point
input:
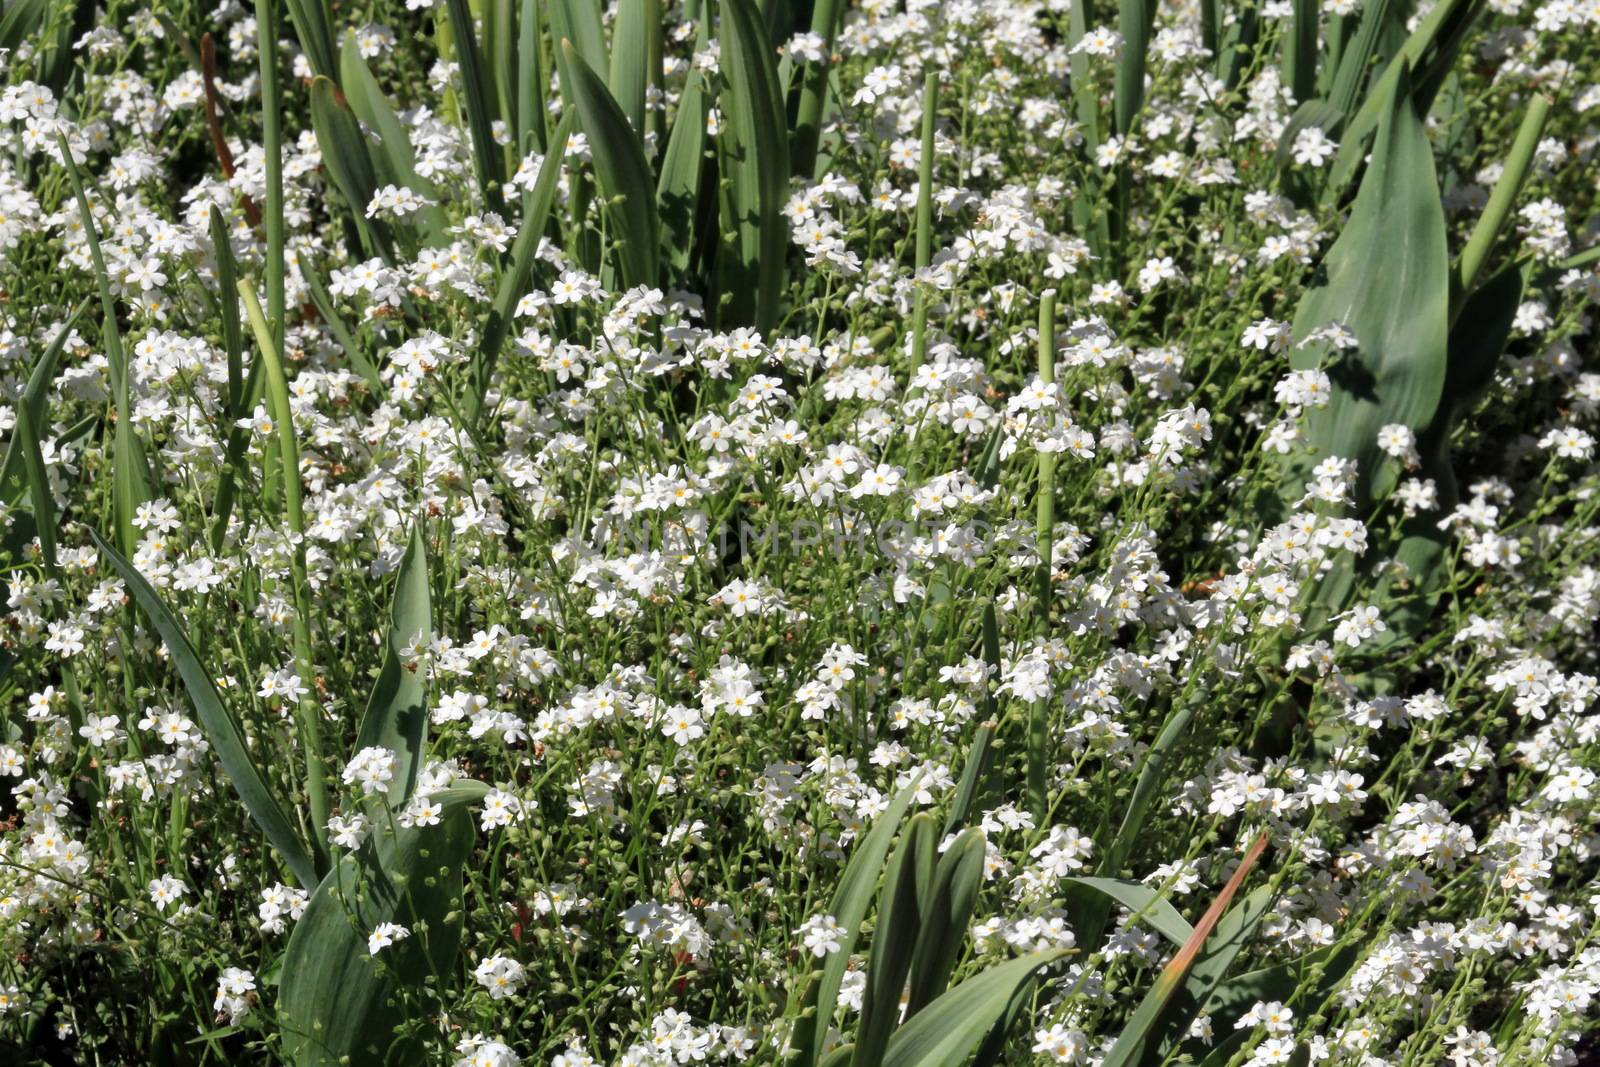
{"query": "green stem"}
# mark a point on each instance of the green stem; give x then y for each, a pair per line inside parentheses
(1498, 209)
(289, 458)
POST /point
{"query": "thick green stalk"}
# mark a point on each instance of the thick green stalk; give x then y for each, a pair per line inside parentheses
(1498, 209)
(289, 455)
(919, 324)
(1044, 536)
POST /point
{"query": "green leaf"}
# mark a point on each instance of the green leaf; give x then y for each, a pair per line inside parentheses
(1300, 50)
(222, 732)
(849, 907)
(893, 941)
(1434, 43)
(825, 15)
(635, 58)
(946, 1032)
(980, 759)
(620, 170)
(349, 163)
(1356, 60)
(1166, 1013)
(20, 21)
(486, 155)
(946, 915)
(578, 21)
(313, 27)
(397, 716)
(678, 188)
(42, 503)
(1312, 978)
(1387, 281)
(532, 79)
(393, 156)
(14, 473)
(1477, 341)
(1149, 905)
(1515, 171)
(1135, 19)
(228, 309)
(337, 1004)
(130, 478)
(1318, 113)
(756, 151)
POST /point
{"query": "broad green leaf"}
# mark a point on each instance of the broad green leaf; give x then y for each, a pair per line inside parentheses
(1515, 171)
(242, 388)
(1222, 1053)
(1315, 976)
(1355, 62)
(620, 170)
(130, 478)
(532, 81)
(1180, 993)
(228, 311)
(1135, 19)
(849, 907)
(397, 715)
(1319, 113)
(635, 58)
(1476, 343)
(756, 153)
(1148, 904)
(20, 21)
(221, 730)
(1433, 43)
(825, 15)
(14, 473)
(313, 27)
(578, 21)
(336, 1003)
(946, 915)
(1387, 281)
(393, 156)
(894, 939)
(678, 188)
(499, 70)
(980, 759)
(487, 162)
(349, 163)
(946, 1032)
(1300, 49)
(39, 498)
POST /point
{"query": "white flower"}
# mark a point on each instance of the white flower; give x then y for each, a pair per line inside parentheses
(372, 769)
(821, 934)
(500, 975)
(499, 809)
(384, 935)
